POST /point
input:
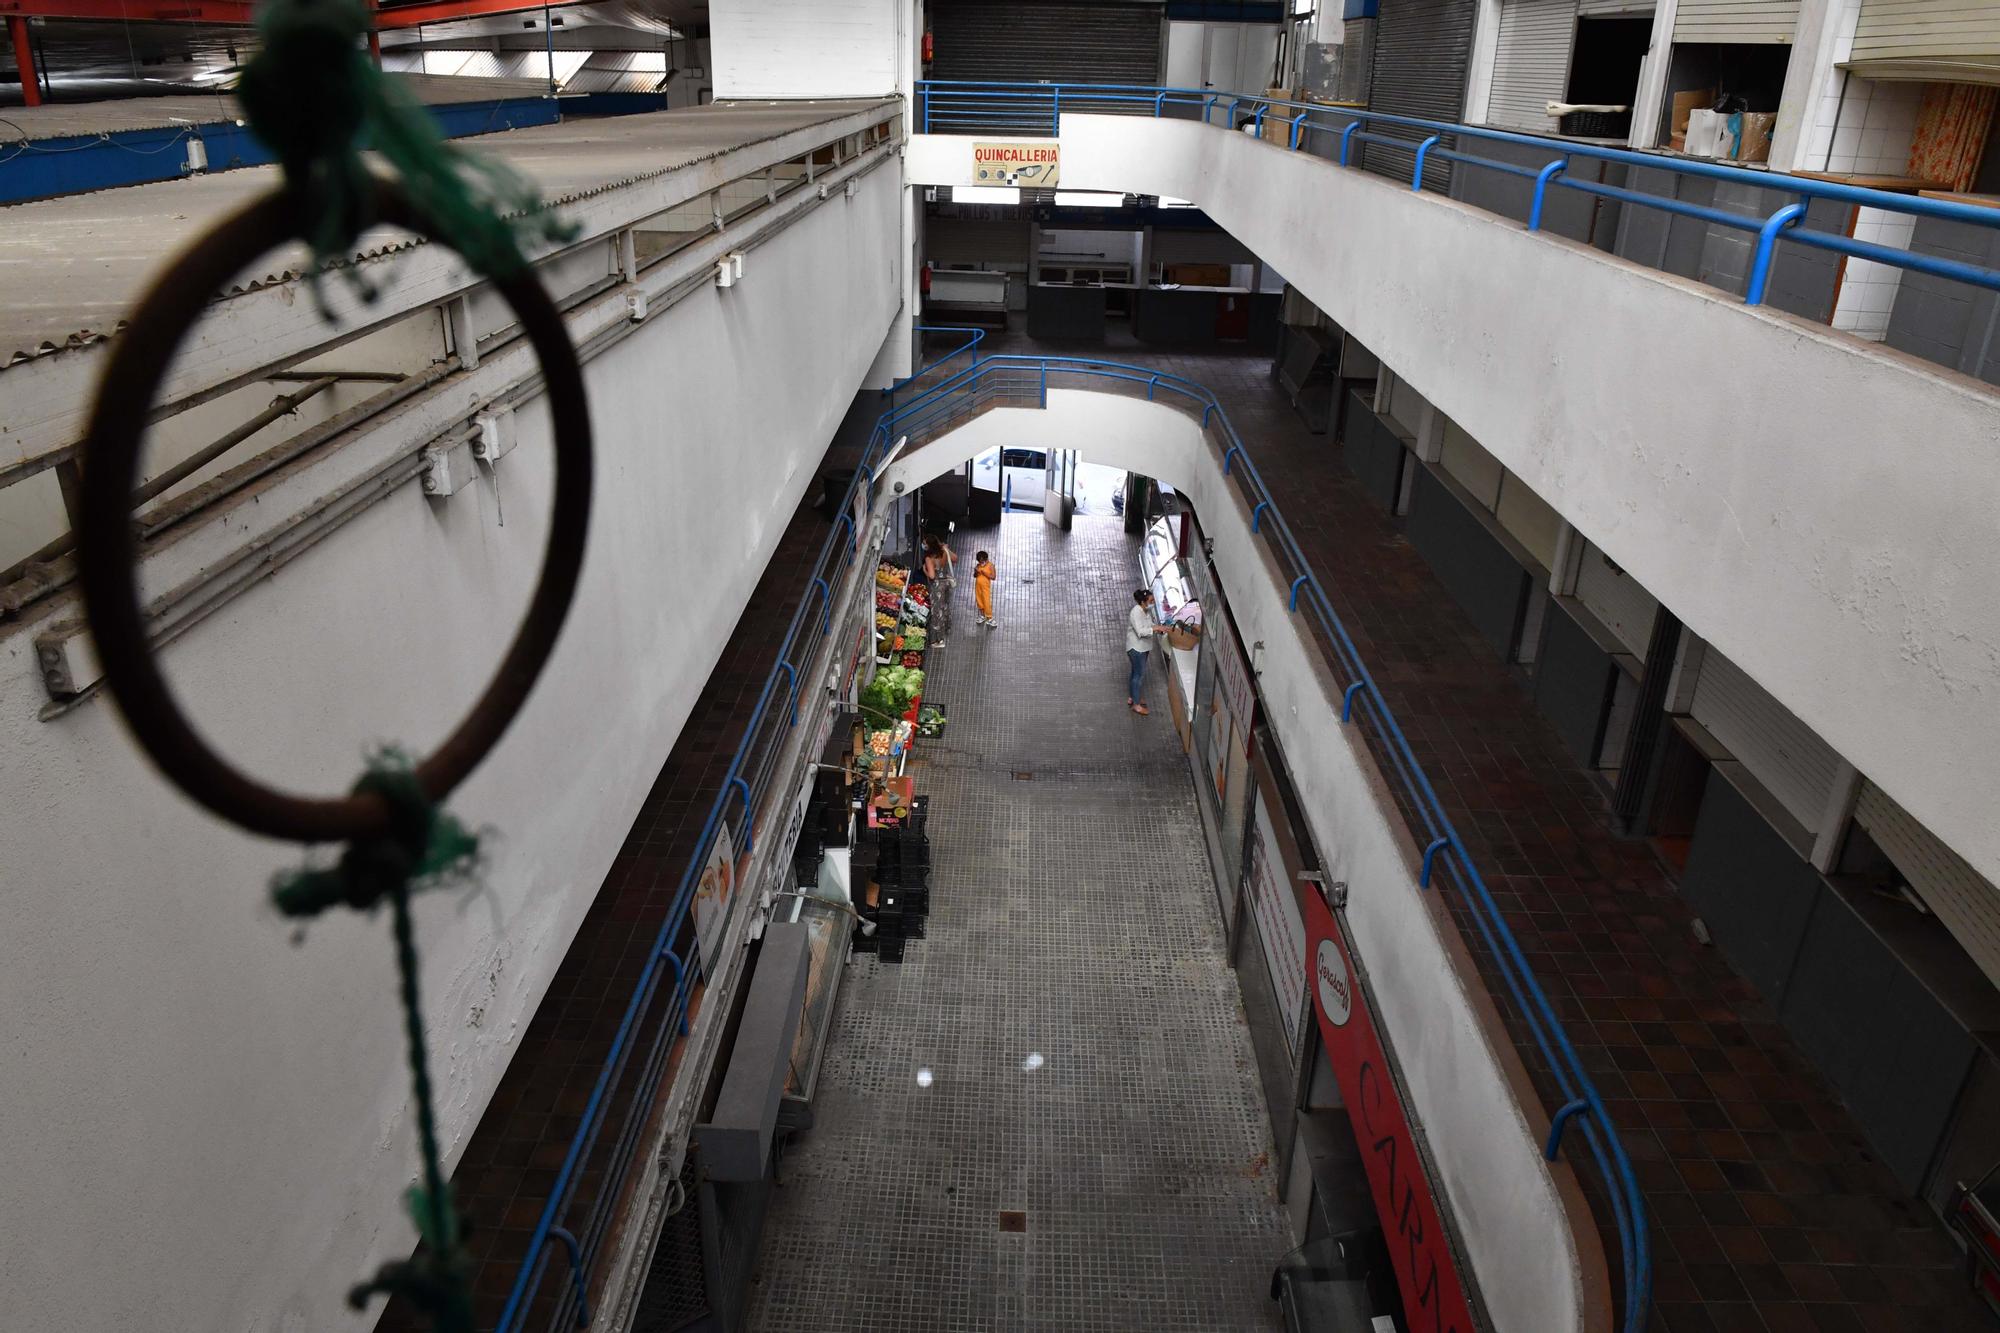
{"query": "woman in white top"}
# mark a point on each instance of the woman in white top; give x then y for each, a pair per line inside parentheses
(1139, 629)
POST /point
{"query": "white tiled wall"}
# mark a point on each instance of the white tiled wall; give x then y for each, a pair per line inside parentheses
(1868, 130)
(1868, 289)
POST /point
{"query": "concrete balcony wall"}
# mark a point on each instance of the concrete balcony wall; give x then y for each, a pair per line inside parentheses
(1820, 508)
(1521, 1220)
(215, 1125)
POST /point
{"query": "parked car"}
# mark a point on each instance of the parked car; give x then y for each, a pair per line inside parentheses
(1022, 475)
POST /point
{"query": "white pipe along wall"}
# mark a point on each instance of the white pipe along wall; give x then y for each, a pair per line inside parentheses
(1536, 1268)
(1820, 509)
(215, 1126)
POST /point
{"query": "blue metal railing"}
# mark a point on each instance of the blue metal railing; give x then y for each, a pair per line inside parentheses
(1038, 108)
(974, 337)
(651, 1026)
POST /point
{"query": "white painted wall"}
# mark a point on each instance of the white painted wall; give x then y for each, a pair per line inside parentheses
(1530, 1261)
(1821, 510)
(227, 1115)
(806, 48)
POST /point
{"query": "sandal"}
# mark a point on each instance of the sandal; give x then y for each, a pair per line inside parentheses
(1141, 710)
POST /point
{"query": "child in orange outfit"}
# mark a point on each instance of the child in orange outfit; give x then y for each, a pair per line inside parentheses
(983, 575)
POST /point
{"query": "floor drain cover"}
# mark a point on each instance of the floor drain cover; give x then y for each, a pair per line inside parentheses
(1023, 777)
(1013, 1220)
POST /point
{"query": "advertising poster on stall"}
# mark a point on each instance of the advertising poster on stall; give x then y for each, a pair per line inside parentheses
(1405, 1197)
(713, 894)
(1233, 689)
(1274, 906)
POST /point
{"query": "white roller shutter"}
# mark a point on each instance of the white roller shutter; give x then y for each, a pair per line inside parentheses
(1781, 752)
(1616, 599)
(1735, 21)
(1531, 62)
(1927, 30)
(1615, 8)
(1967, 903)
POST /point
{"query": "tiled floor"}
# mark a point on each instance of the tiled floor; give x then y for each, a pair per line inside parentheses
(1769, 1211)
(1067, 1040)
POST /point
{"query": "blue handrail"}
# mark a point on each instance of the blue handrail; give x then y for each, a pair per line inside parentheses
(1023, 380)
(946, 107)
(971, 344)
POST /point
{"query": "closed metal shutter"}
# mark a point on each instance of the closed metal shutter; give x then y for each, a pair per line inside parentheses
(1965, 901)
(1735, 20)
(1531, 62)
(1047, 41)
(973, 241)
(1423, 49)
(1616, 599)
(1781, 752)
(1927, 30)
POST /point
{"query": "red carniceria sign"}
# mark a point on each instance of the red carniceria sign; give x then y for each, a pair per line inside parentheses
(1433, 1297)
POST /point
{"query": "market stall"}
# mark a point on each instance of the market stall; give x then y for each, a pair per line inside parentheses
(1165, 571)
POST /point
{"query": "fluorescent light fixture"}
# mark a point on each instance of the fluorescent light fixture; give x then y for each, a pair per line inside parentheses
(985, 194)
(1088, 199)
(1165, 202)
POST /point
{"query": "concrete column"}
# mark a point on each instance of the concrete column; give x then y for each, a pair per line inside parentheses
(1144, 275)
(1840, 800)
(1569, 560)
(1485, 48)
(1651, 98)
(1816, 44)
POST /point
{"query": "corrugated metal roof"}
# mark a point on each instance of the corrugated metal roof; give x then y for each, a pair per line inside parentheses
(81, 119)
(71, 267)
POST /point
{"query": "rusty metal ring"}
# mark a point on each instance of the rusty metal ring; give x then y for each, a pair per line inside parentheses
(107, 547)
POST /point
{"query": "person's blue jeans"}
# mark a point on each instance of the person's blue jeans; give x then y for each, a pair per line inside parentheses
(1138, 660)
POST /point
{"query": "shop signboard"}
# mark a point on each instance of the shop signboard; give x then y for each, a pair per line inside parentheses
(1434, 1298)
(1274, 906)
(1034, 162)
(714, 893)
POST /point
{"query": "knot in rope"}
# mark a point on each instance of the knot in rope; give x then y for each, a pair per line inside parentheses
(422, 847)
(316, 100)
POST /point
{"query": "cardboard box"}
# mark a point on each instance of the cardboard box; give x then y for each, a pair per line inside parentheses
(1685, 104)
(1753, 142)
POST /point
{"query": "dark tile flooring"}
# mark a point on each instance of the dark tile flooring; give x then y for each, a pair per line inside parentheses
(1769, 1211)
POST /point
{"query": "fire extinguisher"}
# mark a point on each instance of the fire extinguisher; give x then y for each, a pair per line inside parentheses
(924, 280)
(929, 48)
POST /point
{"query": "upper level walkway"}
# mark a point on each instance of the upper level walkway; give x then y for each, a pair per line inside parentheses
(1817, 507)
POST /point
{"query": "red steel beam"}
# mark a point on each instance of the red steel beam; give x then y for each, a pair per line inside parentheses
(24, 60)
(134, 11)
(391, 17)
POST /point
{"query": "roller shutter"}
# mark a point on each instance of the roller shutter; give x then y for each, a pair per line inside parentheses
(1781, 752)
(1928, 30)
(975, 241)
(1531, 62)
(1735, 21)
(1617, 600)
(1423, 49)
(1620, 8)
(1965, 901)
(1053, 41)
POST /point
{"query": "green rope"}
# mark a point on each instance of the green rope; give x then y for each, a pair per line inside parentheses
(423, 848)
(312, 94)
